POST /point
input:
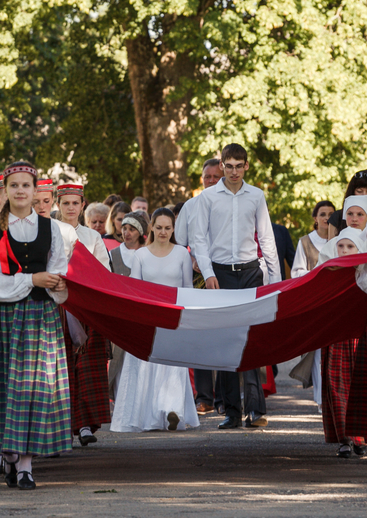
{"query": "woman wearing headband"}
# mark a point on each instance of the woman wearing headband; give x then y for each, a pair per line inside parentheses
(338, 360)
(134, 231)
(87, 350)
(34, 386)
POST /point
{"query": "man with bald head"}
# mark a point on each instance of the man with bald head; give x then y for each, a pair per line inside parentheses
(184, 234)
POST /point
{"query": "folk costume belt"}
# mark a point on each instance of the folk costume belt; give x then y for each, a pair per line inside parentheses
(238, 267)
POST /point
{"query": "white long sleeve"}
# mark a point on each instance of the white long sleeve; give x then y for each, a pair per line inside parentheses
(225, 229)
(185, 225)
(299, 267)
(93, 241)
(17, 287)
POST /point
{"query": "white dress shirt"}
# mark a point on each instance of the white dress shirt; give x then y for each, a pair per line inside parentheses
(17, 287)
(225, 229)
(93, 241)
(185, 225)
(69, 237)
(299, 267)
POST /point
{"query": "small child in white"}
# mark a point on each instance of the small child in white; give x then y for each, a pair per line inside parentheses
(349, 242)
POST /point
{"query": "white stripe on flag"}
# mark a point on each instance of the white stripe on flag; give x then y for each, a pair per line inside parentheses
(219, 349)
(217, 309)
(212, 337)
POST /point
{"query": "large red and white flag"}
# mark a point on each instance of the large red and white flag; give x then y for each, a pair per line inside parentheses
(219, 329)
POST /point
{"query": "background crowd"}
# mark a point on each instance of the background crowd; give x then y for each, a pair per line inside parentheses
(221, 239)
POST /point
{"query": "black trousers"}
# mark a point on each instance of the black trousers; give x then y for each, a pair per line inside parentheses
(254, 398)
(204, 388)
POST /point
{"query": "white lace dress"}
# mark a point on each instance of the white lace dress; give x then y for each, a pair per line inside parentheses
(148, 392)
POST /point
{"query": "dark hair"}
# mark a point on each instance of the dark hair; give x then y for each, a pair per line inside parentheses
(212, 162)
(234, 151)
(120, 206)
(358, 180)
(6, 208)
(112, 199)
(177, 208)
(317, 207)
(143, 222)
(163, 211)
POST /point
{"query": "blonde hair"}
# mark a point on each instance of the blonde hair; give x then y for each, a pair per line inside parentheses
(119, 206)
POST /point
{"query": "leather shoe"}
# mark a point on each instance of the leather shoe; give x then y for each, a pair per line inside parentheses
(230, 422)
(221, 410)
(86, 439)
(256, 419)
(11, 477)
(173, 420)
(203, 408)
(25, 482)
(344, 451)
(359, 450)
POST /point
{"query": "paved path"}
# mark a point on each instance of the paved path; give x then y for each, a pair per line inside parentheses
(283, 470)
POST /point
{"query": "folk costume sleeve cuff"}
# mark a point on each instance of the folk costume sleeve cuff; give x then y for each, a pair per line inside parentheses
(15, 287)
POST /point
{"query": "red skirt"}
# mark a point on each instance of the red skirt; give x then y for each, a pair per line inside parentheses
(337, 364)
(357, 403)
(88, 379)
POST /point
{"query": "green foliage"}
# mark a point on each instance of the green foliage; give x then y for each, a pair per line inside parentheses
(291, 87)
(287, 79)
(71, 100)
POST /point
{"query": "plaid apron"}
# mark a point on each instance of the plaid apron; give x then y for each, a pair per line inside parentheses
(337, 364)
(88, 379)
(34, 386)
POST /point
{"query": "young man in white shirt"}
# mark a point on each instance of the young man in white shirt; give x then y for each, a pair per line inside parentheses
(227, 216)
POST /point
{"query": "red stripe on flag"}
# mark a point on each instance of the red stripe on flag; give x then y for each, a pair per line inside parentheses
(314, 311)
(93, 289)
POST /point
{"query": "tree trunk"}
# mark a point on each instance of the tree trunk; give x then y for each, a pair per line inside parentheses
(160, 123)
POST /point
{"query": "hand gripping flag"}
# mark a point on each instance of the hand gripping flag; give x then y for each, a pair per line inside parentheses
(219, 329)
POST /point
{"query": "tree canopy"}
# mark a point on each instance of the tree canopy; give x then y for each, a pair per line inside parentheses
(137, 94)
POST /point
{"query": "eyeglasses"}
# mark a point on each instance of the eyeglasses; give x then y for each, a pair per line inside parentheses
(361, 174)
(229, 167)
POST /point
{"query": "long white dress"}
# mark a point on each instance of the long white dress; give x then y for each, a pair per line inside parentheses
(148, 392)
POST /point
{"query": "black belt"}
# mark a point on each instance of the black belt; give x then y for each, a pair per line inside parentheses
(237, 267)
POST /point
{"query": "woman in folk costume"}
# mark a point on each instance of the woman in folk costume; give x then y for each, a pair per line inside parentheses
(34, 388)
(42, 204)
(87, 351)
(134, 231)
(307, 254)
(152, 396)
(338, 360)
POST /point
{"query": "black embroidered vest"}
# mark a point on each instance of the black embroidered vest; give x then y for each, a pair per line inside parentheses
(32, 256)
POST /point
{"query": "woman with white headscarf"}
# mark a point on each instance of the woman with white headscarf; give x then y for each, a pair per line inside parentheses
(338, 360)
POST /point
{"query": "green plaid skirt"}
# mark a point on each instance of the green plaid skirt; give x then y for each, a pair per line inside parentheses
(34, 385)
